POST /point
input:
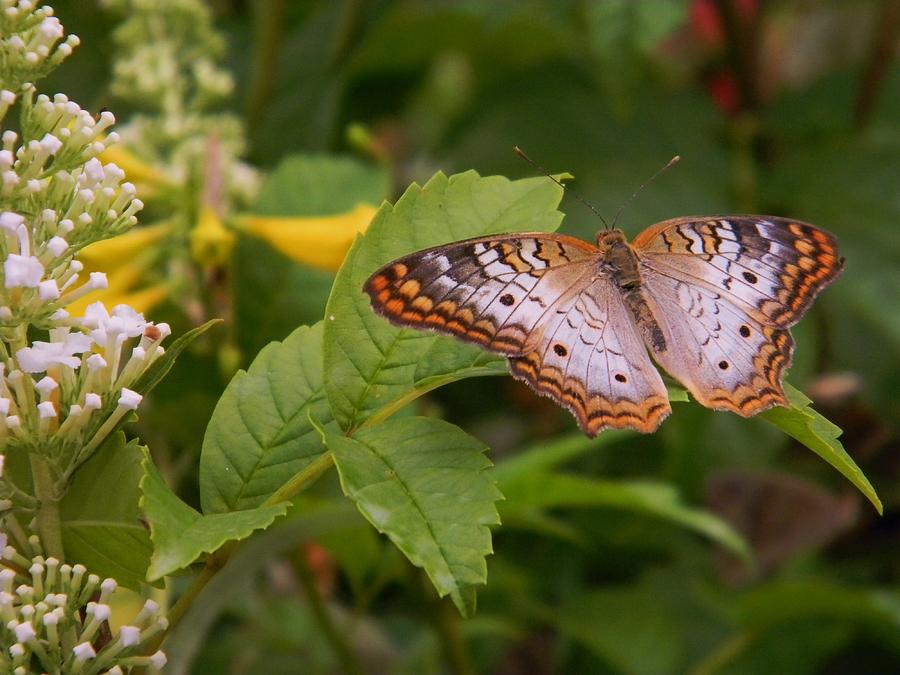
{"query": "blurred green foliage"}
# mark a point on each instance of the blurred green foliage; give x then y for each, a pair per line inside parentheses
(807, 125)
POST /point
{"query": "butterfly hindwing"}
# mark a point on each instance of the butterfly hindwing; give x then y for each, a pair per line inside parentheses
(725, 291)
(492, 291)
(725, 357)
(590, 359)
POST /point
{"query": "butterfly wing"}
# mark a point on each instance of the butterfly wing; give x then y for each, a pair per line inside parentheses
(591, 359)
(725, 291)
(771, 267)
(493, 291)
(542, 301)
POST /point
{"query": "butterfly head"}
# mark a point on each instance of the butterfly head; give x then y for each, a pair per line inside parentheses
(608, 240)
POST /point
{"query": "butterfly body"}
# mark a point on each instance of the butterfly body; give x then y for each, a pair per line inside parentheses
(709, 299)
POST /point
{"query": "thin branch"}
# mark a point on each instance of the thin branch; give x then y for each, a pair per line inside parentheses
(887, 27)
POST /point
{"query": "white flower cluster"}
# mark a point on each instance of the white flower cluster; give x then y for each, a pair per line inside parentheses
(68, 394)
(31, 45)
(55, 166)
(48, 622)
(167, 66)
(169, 58)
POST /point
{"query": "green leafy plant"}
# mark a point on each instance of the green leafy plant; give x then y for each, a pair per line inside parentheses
(328, 510)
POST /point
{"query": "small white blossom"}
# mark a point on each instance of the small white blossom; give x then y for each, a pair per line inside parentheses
(22, 271)
(41, 355)
(10, 220)
(46, 410)
(92, 401)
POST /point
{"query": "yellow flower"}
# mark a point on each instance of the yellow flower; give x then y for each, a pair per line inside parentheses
(125, 259)
(109, 253)
(211, 242)
(136, 169)
(321, 241)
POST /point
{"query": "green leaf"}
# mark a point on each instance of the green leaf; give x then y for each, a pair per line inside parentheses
(628, 627)
(274, 295)
(542, 457)
(773, 605)
(371, 363)
(321, 185)
(542, 490)
(805, 425)
(181, 535)
(621, 34)
(422, 482)
(260, 436)
(106, 534)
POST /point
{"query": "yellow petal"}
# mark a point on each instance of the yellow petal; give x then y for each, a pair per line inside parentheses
(320, 242)
(142, 300)
(211, 242)
(135, 168)
(110, 253)
(123, 288)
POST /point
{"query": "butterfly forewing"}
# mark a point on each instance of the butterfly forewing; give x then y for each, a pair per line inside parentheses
(771, 267)
(492, 291)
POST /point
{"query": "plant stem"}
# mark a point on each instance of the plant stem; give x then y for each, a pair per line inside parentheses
(447, 624)
(302, 479)
(268, 26)
(343, 651)
(220, 558)
(724, 655)
(886, 29)
(49, 525)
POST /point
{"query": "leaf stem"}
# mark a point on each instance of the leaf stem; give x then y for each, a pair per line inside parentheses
(49, 524)
(447, 623)
(217, 560)
(302, 479)
(322, 615)
(724, 655)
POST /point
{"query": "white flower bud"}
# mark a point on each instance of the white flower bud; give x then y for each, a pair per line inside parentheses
(46, 385)
(129, 399)
(83, 652)
(24, 632)
(57, 246)
(98, 280)
(129, 635)
(51, 144)
(48, 290)
(46, 410)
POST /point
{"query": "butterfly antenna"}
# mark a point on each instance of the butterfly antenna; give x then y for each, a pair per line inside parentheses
(521, 153)
(672, 162)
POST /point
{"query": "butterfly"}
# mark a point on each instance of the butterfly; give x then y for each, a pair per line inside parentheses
(710, 299)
